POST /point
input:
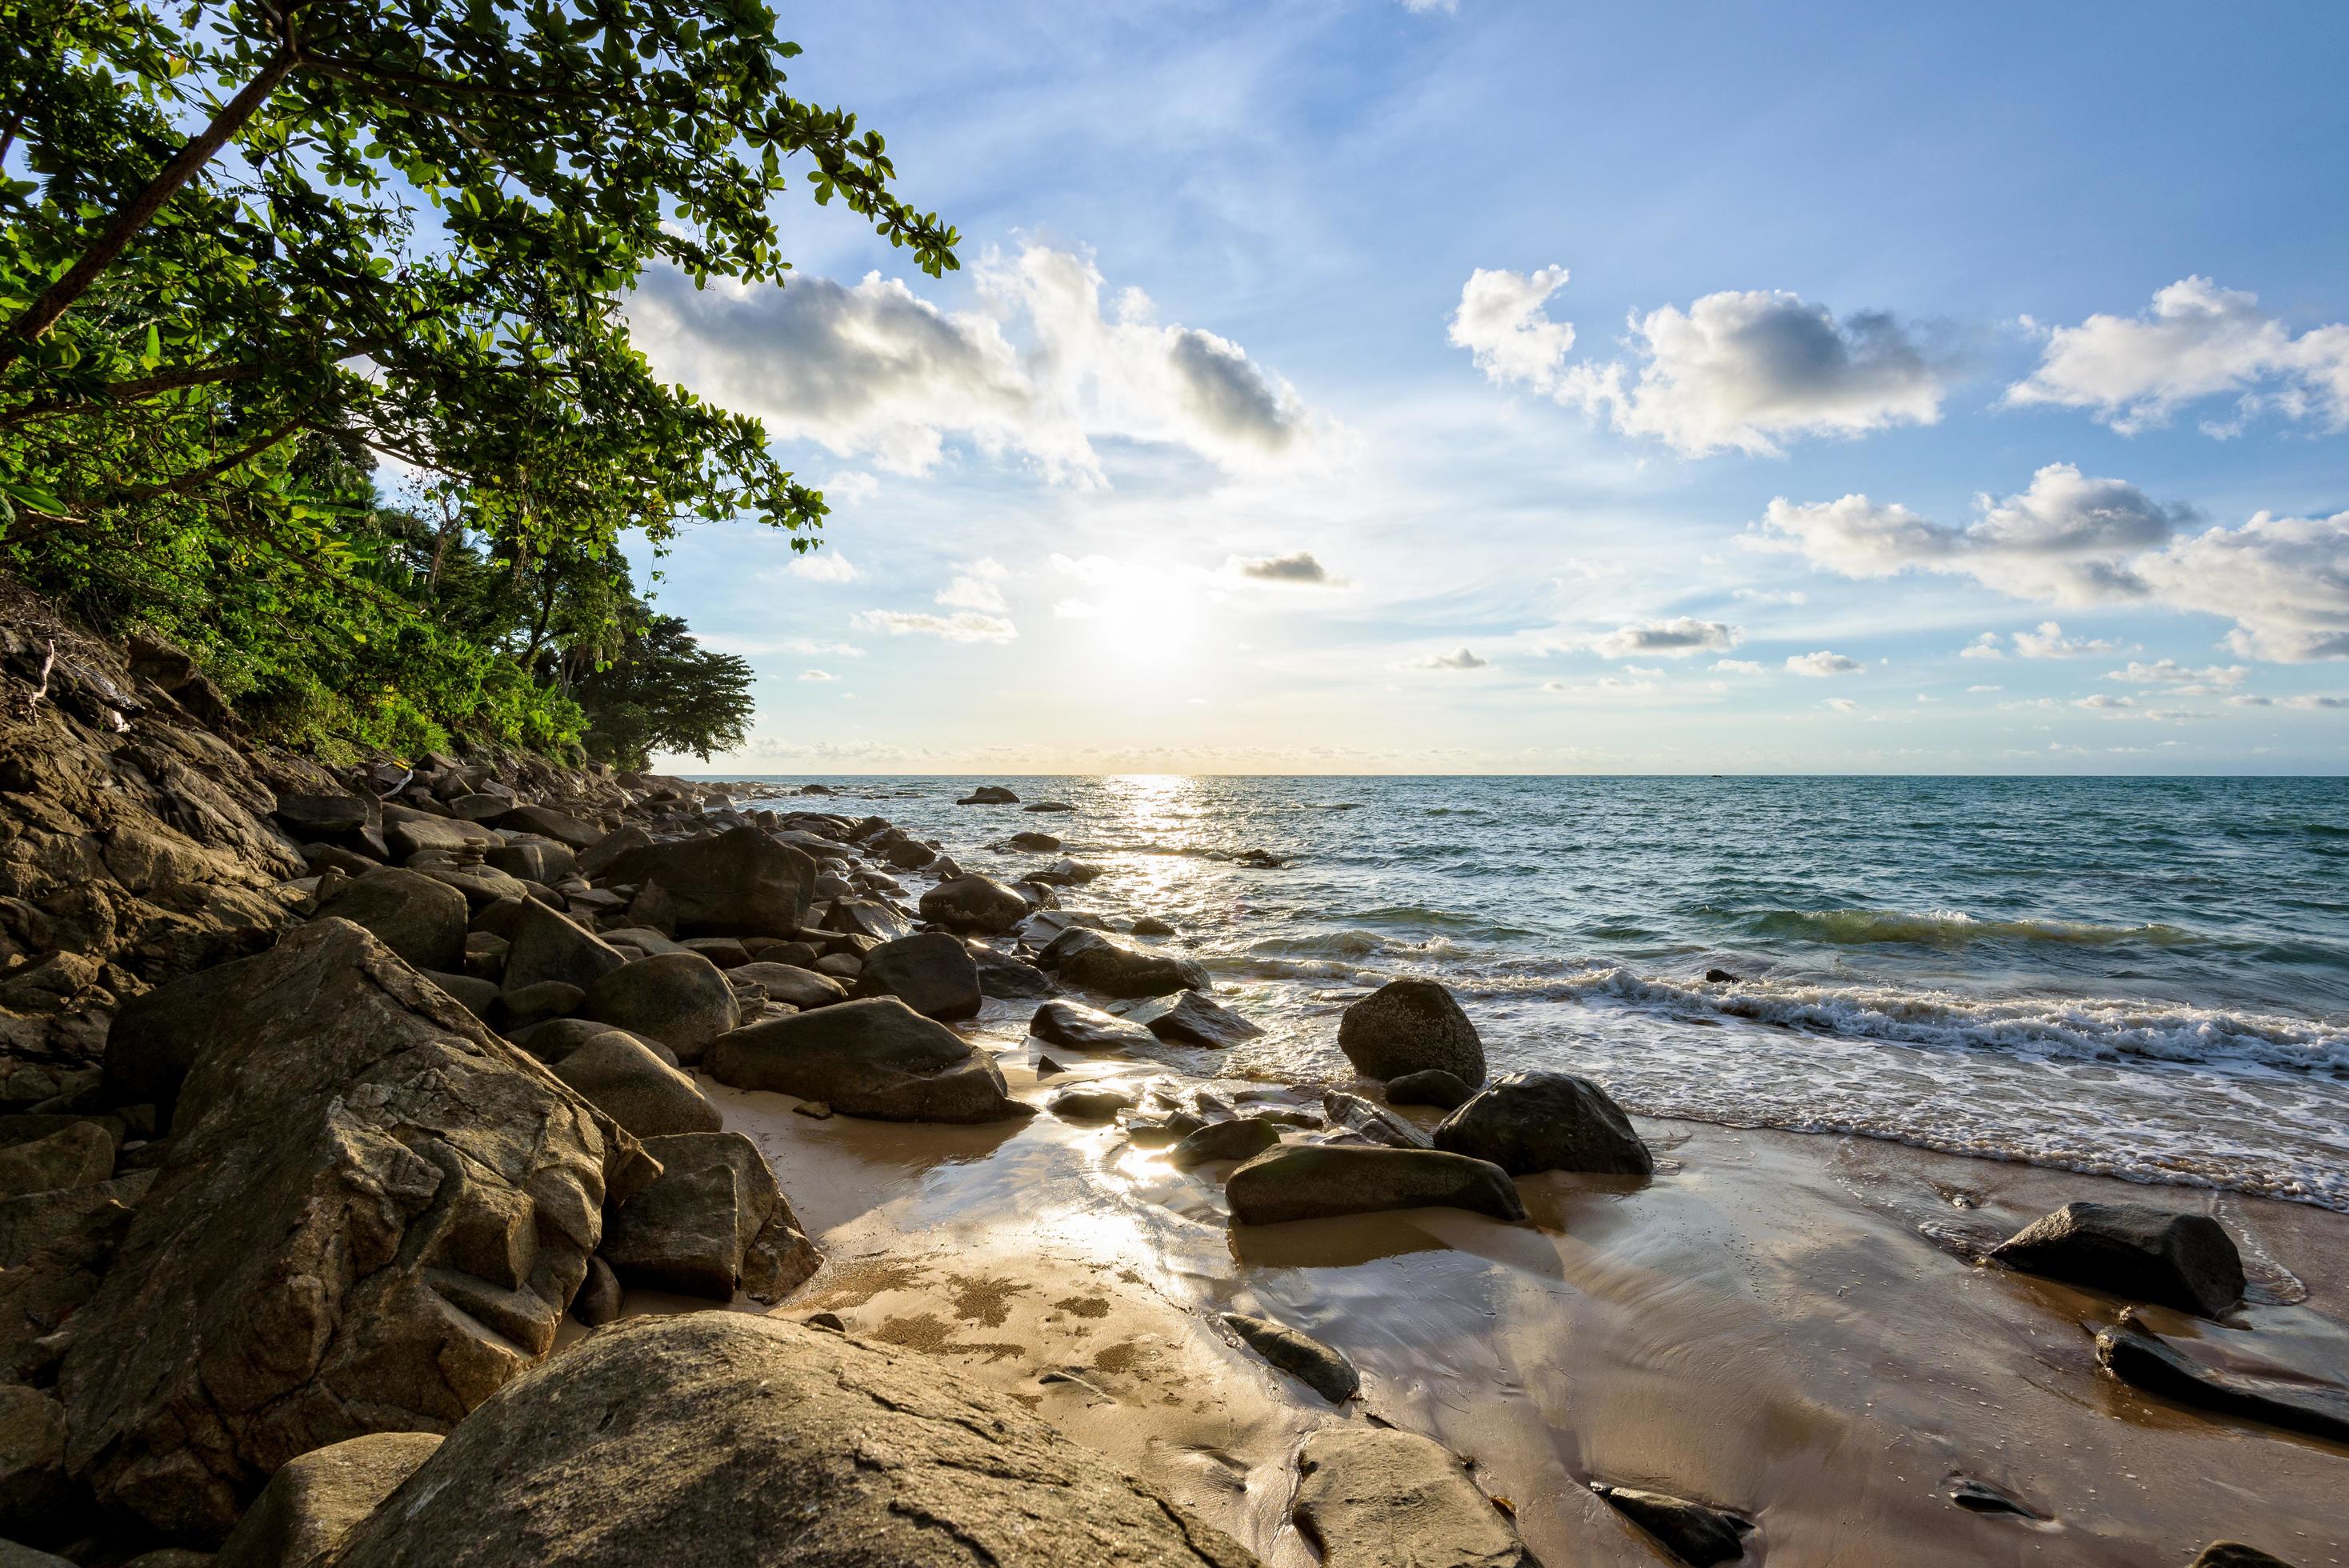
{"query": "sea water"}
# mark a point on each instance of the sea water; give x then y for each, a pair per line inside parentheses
(2144, 978)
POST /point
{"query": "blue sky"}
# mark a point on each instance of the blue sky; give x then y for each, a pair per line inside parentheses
(1259, 435)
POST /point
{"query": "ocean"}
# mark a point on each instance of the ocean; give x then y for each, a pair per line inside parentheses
(2145, 978)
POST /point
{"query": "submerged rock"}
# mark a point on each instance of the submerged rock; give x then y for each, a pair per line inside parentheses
(1087, 958)
(990, 795)
(1431, 1085)
(1407, 1026)
(2132, 1249)
(763, 1442)
(875, 1057)
(1300, 1356)
(2138, 1356)
(1240, 1139)
(1090, 1104)
(934, 973)
(1373, 1497)
(1546, 1121)
(1697, 1535)
(1083, 1028)
(1314, 1181)
(314, 1503)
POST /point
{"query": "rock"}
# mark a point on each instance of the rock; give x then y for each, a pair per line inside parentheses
(615, 1074)
(546, 945)
(875, 1057)
(770, 950)
(1546, 1121)
(841, 966)
(990, 795)
(484, 808)
(80, 1154)
(416, 917)
(866, 917)
(1300, 1356)
(2134, 1251)
(1313, 1182)
(519, 1007)
(569, 831)
(55, 1247)
(1087, 958)
(533, 859)
(1408, 1026)
(1695, 1534)
(15, 1556)
(370, 1215)
(1194, 1020)
(1067, 873)
(974, 903)
(1150, 926)
(726, 952)
(1353, 1115)
(1035, 843)
(1004, 978)
(36, 1498)
(1049, 806)
(934, 973)
(597, 860)
(2135, 1354)
(1090, 1104)
(678, 998)
(739, 882)
(1373, 1497)
(1432, 1086)
(713, 1221)
(803, 988)
(2235, 1554)
(1046, 1067)
(598, 1300)
(556, 1039)
(407, 831)
(350, 821)
(314, 1503)
(1240, 1139)
(764, 1441)
(479, 998)
(1083, 1028)
(155, 1038)
(1718, 977)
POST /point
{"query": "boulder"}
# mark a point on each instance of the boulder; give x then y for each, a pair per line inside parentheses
(739, 882)
(521, 1006)
(1373, 1497)
(478, 996)
(12, 1556)
(416, 916)
(545, 944)
(726, 952)
(349, 821)
(1315, 1181)
(2138, 1356)
(481, 807)
(598, 1300)
(1191, 1019)
(1407, 1026)
(974, 903)
(370, 1215)
(78, 1154)
(1087, 958)
(764, 1441)
(1431, 1085)
(712, 1222)
(1546, 1121)
(680, 1000)
(1035, 843)
(990, 795)
(312, 1504)
(546, 824)
(598, 858)
(1090, 1104)
(803, 988)
(54, 1246)
(554, 1040)
(2235, 1554)
(407, 831)
(1083, 1028)
(534, 859)
(1049, 806)
(2135, 1251)
(1361, 1122)
(933, 973)
(866, 917)
(1004, 978)
(1697, 1535)
(1300, 1356)
(1244, 1138)
(1150, 926)
(155, 1038)
(35, 1498)
(618, 1075)
(875, 1057)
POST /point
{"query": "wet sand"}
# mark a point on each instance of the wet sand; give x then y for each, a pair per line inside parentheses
(1791, 1326)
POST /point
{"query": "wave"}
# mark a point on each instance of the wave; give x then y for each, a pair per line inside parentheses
(1949, 928)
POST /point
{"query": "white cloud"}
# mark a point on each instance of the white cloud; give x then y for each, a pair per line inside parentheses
(823, 566)
(850, 488)
(1511, 337)
(1736, 666)
(1676, 638)
(1972, 689)
(1602, 686)
(872, 370)
(1985, 646)
(2312, 701)
(1298, 567)
(2104, 699)
(2195, 341)
(963, 627)
(2169, 672)
(1822, 664)
(2066, 539)
(975, 588)
(2050, 643)
(2284, 582)
(1843, 705)
(817, 675)
(1771, 596)
(1462, 660)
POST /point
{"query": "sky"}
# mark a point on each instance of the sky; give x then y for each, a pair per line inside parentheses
(1375, 387)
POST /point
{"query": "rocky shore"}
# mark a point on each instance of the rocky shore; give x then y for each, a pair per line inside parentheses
(467, 1160)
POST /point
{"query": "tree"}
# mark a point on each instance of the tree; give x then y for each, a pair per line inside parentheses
(664, 692)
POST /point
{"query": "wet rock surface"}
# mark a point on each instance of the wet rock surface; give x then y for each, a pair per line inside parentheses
(1408, 1026)
(1373, 1497)
(1299, 1181)
(2135, 1251)
(1533, 1121)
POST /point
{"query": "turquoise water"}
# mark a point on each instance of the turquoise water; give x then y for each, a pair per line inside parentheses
(2146, 978)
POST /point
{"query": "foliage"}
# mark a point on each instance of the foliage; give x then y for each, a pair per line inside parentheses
(666, 693)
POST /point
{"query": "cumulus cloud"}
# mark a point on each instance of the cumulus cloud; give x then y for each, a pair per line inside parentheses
(1985, 646)
(1462, 660)
(2325, 701)
(1296, 567)
(873, 371)
(1503, 324)
(823, 566)
(2049, 642)
(2102, 699)
(975, 588)
(2195, 341)
(2284, 581)
(1675, 639)
(1822, 664)
(1604, 686)
(963, 627)
(1736, 667)
(1843, 705)
(2170, 672)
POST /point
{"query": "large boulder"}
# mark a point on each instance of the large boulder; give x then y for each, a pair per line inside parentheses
(737, 1441)
(2132, 1249)
(544, 945)
(1546, 1121)
(1241, 1139)
(1373, 1497)
(408, 831)
(1430, 1086)
(1189, 1019)
(1007, 979)
(866, 917)
(1083, 1028)
(155, 1038)
(532, 859)
(370, 1216)
(417, 916)
(78, 1154)
(1087, 958)
(599, 858)
(548, 823)
(349, 821)
(933, 973)
(36, 1500)
(739, 882)
(1408, 1026)
(875, 1057)
(803, 988)
(990, 795)
(315, 1501)
(976, 904)
(680, 1000)
(1317, 1182)
(712, 1222)
(619, 1076)
(55, 1247)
